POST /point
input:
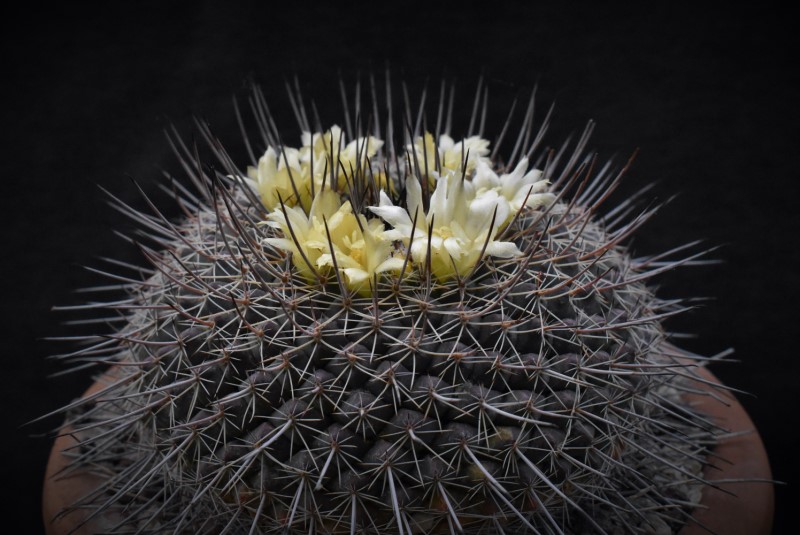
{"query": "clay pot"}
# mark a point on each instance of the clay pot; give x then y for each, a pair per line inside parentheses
(737, 508)
(62, 490)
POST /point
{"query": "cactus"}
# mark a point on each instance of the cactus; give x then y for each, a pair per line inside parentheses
(364, 335)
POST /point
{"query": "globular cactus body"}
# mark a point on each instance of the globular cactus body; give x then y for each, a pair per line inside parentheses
(368, 338)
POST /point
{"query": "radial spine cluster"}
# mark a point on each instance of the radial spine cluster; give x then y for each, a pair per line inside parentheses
(389, 331)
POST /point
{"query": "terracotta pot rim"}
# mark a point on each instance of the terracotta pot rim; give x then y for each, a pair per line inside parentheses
(741, 472)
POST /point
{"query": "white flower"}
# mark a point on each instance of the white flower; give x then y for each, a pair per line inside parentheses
(330, 153)
(519, 188)
(438, 156)
(458, 225)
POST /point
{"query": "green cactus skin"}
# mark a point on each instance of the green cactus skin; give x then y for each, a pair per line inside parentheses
(535, 394)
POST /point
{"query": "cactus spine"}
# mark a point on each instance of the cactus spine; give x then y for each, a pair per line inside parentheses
(369, 336)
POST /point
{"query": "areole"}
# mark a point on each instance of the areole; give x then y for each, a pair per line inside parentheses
(743, 504)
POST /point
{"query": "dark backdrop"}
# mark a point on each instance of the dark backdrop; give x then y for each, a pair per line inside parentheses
(708, 97)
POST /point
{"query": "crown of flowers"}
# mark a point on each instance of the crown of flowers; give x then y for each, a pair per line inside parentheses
(454, 208)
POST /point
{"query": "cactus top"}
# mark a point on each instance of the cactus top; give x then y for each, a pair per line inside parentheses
(446, 205)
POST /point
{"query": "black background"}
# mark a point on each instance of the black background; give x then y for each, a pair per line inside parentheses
(709, 97)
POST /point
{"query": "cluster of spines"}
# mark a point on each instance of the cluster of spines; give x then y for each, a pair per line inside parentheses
(515, 398)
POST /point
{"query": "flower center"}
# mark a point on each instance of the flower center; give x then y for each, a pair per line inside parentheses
(444, 232)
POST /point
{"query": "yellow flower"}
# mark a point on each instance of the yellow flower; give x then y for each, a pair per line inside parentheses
(285, 174)
(360, 252)
(469, 206)
(304, 235)
(357, 247)
(281, 175)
